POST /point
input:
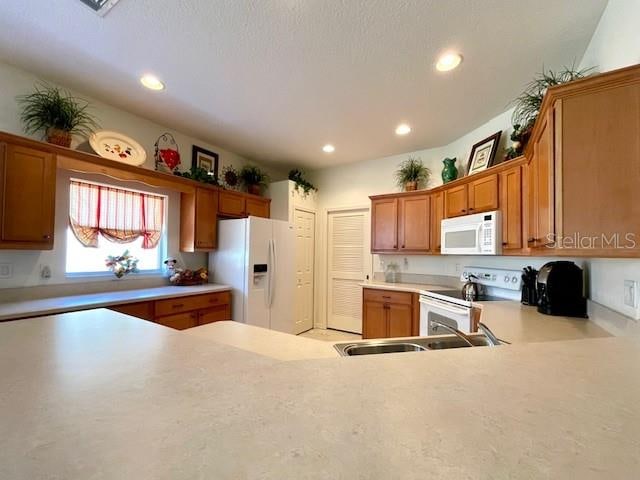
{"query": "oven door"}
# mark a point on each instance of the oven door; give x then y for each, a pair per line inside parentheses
(455, 316)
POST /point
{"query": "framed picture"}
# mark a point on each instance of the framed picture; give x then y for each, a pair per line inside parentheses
(206, 159)
(483, 154)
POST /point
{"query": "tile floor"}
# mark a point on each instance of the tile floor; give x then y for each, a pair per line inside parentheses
(330, 335)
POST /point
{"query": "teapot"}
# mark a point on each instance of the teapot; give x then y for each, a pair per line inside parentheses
(471, 290)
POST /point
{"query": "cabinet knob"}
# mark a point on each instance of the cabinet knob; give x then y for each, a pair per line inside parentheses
(395, 245)
(403, 245)
(464, 210)
(471, 209)
(504, 244)
(531, 240)
(47, 237)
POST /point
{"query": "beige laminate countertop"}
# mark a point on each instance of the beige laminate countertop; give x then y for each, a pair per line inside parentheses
(97, 394)
(402, 287)
(53, 305)
(517, 323)
(272, 344)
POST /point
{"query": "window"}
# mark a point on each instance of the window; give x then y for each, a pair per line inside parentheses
(106, 220)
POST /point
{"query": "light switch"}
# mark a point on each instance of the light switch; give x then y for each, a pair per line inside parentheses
(630, 290)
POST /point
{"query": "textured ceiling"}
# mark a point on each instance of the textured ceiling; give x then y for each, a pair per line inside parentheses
(274, 80)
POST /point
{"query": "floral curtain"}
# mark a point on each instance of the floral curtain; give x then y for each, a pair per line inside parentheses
(120, 215)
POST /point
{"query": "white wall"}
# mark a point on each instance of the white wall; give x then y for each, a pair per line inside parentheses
(615, 44)
(26, 264)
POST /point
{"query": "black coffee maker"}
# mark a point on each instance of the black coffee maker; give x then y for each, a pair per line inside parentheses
(560, 290)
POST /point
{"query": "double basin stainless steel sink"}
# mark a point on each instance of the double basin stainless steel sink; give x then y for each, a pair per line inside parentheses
(417, 344)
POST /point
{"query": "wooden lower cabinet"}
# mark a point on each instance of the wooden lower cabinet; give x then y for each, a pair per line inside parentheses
(180, 321)
(181, 313)
(389, 314)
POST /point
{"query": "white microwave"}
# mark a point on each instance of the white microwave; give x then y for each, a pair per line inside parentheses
(477, 234)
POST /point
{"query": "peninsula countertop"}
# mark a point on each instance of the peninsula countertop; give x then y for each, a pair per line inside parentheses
(53, 305)
(98, 394)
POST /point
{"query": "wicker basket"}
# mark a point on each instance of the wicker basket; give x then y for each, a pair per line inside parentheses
(188, 282)
(59, 137)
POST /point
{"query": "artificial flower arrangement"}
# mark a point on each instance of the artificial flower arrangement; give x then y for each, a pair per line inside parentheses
(183, 276)
(122, 265)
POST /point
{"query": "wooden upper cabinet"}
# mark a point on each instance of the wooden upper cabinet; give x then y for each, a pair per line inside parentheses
(511, 208)
(483, 194)
(206, 219)
(258, 207)
(384, 224)
(598, 170)
(455, 201)
(28, 197)
(198, 220)
(541, 227)
(232, 204)
(437, 214)
(414, 223)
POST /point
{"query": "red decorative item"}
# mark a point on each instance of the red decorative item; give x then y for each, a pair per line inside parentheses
(167, 154)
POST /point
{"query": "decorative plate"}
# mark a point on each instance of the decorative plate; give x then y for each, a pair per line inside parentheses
(117, 146)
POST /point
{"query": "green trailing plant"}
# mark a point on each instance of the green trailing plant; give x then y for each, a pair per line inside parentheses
(412, 170)
(50, 107)
(198, 174)
(527, 105)
(250, 175)
(296, 175)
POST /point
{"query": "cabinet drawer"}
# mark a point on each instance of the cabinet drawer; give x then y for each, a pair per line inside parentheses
(180, 321)
(193, 302)
(387, 296)
(142, 310)
(214, 314)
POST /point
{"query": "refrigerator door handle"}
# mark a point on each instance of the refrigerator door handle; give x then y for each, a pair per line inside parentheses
(272, 271)
(267, 291)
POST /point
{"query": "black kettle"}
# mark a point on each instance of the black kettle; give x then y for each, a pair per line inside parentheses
(471, 290)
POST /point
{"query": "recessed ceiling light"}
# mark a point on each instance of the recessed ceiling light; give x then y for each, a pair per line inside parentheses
(403, 129)
(151, 82)
(328, 148)
(448, 61)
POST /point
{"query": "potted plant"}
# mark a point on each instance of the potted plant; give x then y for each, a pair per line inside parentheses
(527, 105)
(296, 175)
(253, 178)
(57, 114)
(411, 173)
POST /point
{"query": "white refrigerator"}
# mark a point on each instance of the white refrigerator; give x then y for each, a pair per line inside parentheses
(255, 257)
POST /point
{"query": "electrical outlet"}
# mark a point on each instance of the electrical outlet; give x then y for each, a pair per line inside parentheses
(45, 271)
(630, 293)
(6, 270)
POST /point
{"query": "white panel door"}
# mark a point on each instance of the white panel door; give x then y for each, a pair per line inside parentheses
(349, 262)
(304, 226)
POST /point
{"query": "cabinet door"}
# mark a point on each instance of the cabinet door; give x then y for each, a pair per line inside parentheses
(599, 170)
(231, 204)
(511, 208)
(374, 319)
(437, 214)
(206, 219)
(215, 314)
(384, 224)
(180, 321)
(483, 194)
(257, 207)
(400, 318)
(455, 201)
(414, 222)
(28, 191)
(541, 196)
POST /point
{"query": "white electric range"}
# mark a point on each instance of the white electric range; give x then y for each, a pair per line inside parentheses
(449, 306)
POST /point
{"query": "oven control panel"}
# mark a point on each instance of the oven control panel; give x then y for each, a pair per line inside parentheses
(493, 277)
